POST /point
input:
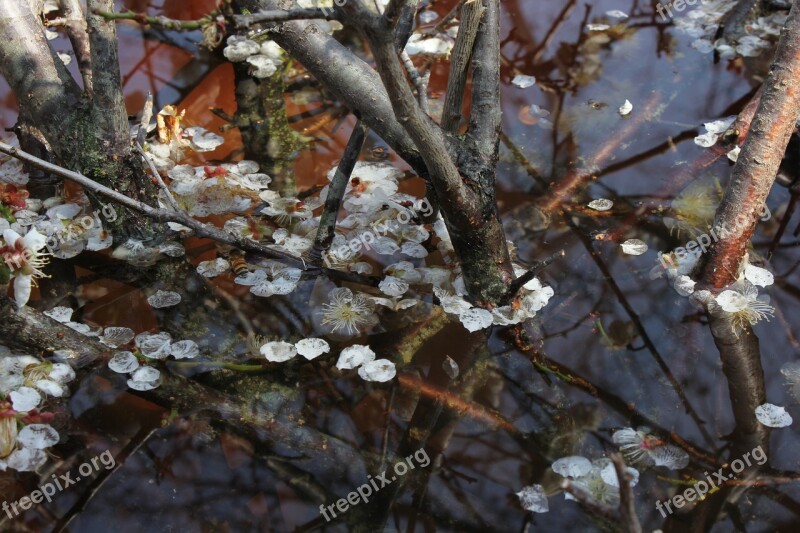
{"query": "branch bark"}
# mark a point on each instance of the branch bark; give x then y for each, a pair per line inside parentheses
(759, 160)
(468, 207)
(471, 12)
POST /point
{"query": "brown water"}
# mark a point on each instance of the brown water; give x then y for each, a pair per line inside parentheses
(500, 430)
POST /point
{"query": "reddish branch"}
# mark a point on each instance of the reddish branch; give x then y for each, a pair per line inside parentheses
(759, 159)
(576, 180)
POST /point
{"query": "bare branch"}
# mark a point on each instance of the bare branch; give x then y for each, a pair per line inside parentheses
(627, 503)
(420, 82)
(471, 12)
(75, 24)
(39, 79)
(327, 221)
(157, 177)
(485, 111)
(108, 104)
(279, 15)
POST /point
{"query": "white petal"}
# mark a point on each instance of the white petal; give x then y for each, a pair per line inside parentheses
(523, 82)
(114, 336)
(11, 237)
(60, 314)
(164, 299)
(758, 276)
(706, 140)
(731, 301)
(626, 108)
(609, 475)
(413, 249)
(38, 436)
(146, 373)
(25, 399)
(143, 385)
(26, 459)
(533, 499)
(670, 456)
(733, 155)
(51, 388)
(312, 347)
(573, 466)
(154, 345)
(354, 356)
(379, 370)
(22, 289)
(684, 285)
(213, 268)
(450, 367)
(123, 363)
(184, 349)
(34, 240)
(392, 286)
(601, 204)
(62, 373)
(634, 247)
(476, 319)
(278, 351)
(773, 416)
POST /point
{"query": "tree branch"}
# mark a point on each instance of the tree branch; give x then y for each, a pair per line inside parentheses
(279, 15)
(759, 160)
(471, 12)
(109, 113)
(327, 221)
(485, 110)
(39, 79)
(180, 217)
(75, 24)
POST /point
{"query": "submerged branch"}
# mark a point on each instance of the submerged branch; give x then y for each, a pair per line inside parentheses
(327, 221)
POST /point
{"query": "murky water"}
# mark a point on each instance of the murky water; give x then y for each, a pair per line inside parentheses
(614, 348)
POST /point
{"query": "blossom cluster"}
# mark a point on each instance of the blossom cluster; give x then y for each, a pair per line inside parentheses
(703, 24)
(25, 384)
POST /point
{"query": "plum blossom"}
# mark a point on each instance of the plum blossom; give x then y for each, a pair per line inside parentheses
(348, 311)
(641, 446)
(597, 477)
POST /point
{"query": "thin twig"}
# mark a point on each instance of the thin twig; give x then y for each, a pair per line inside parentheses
(586, 500)
(627, 503)
(420, 82)
(144, 123)
(200, 229)
(279, 15)
(75, 25)
(159, 21)
(517, 284)
(327, 221)
(157, 177)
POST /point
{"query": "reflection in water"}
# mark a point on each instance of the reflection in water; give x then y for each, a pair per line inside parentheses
(614, 349)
